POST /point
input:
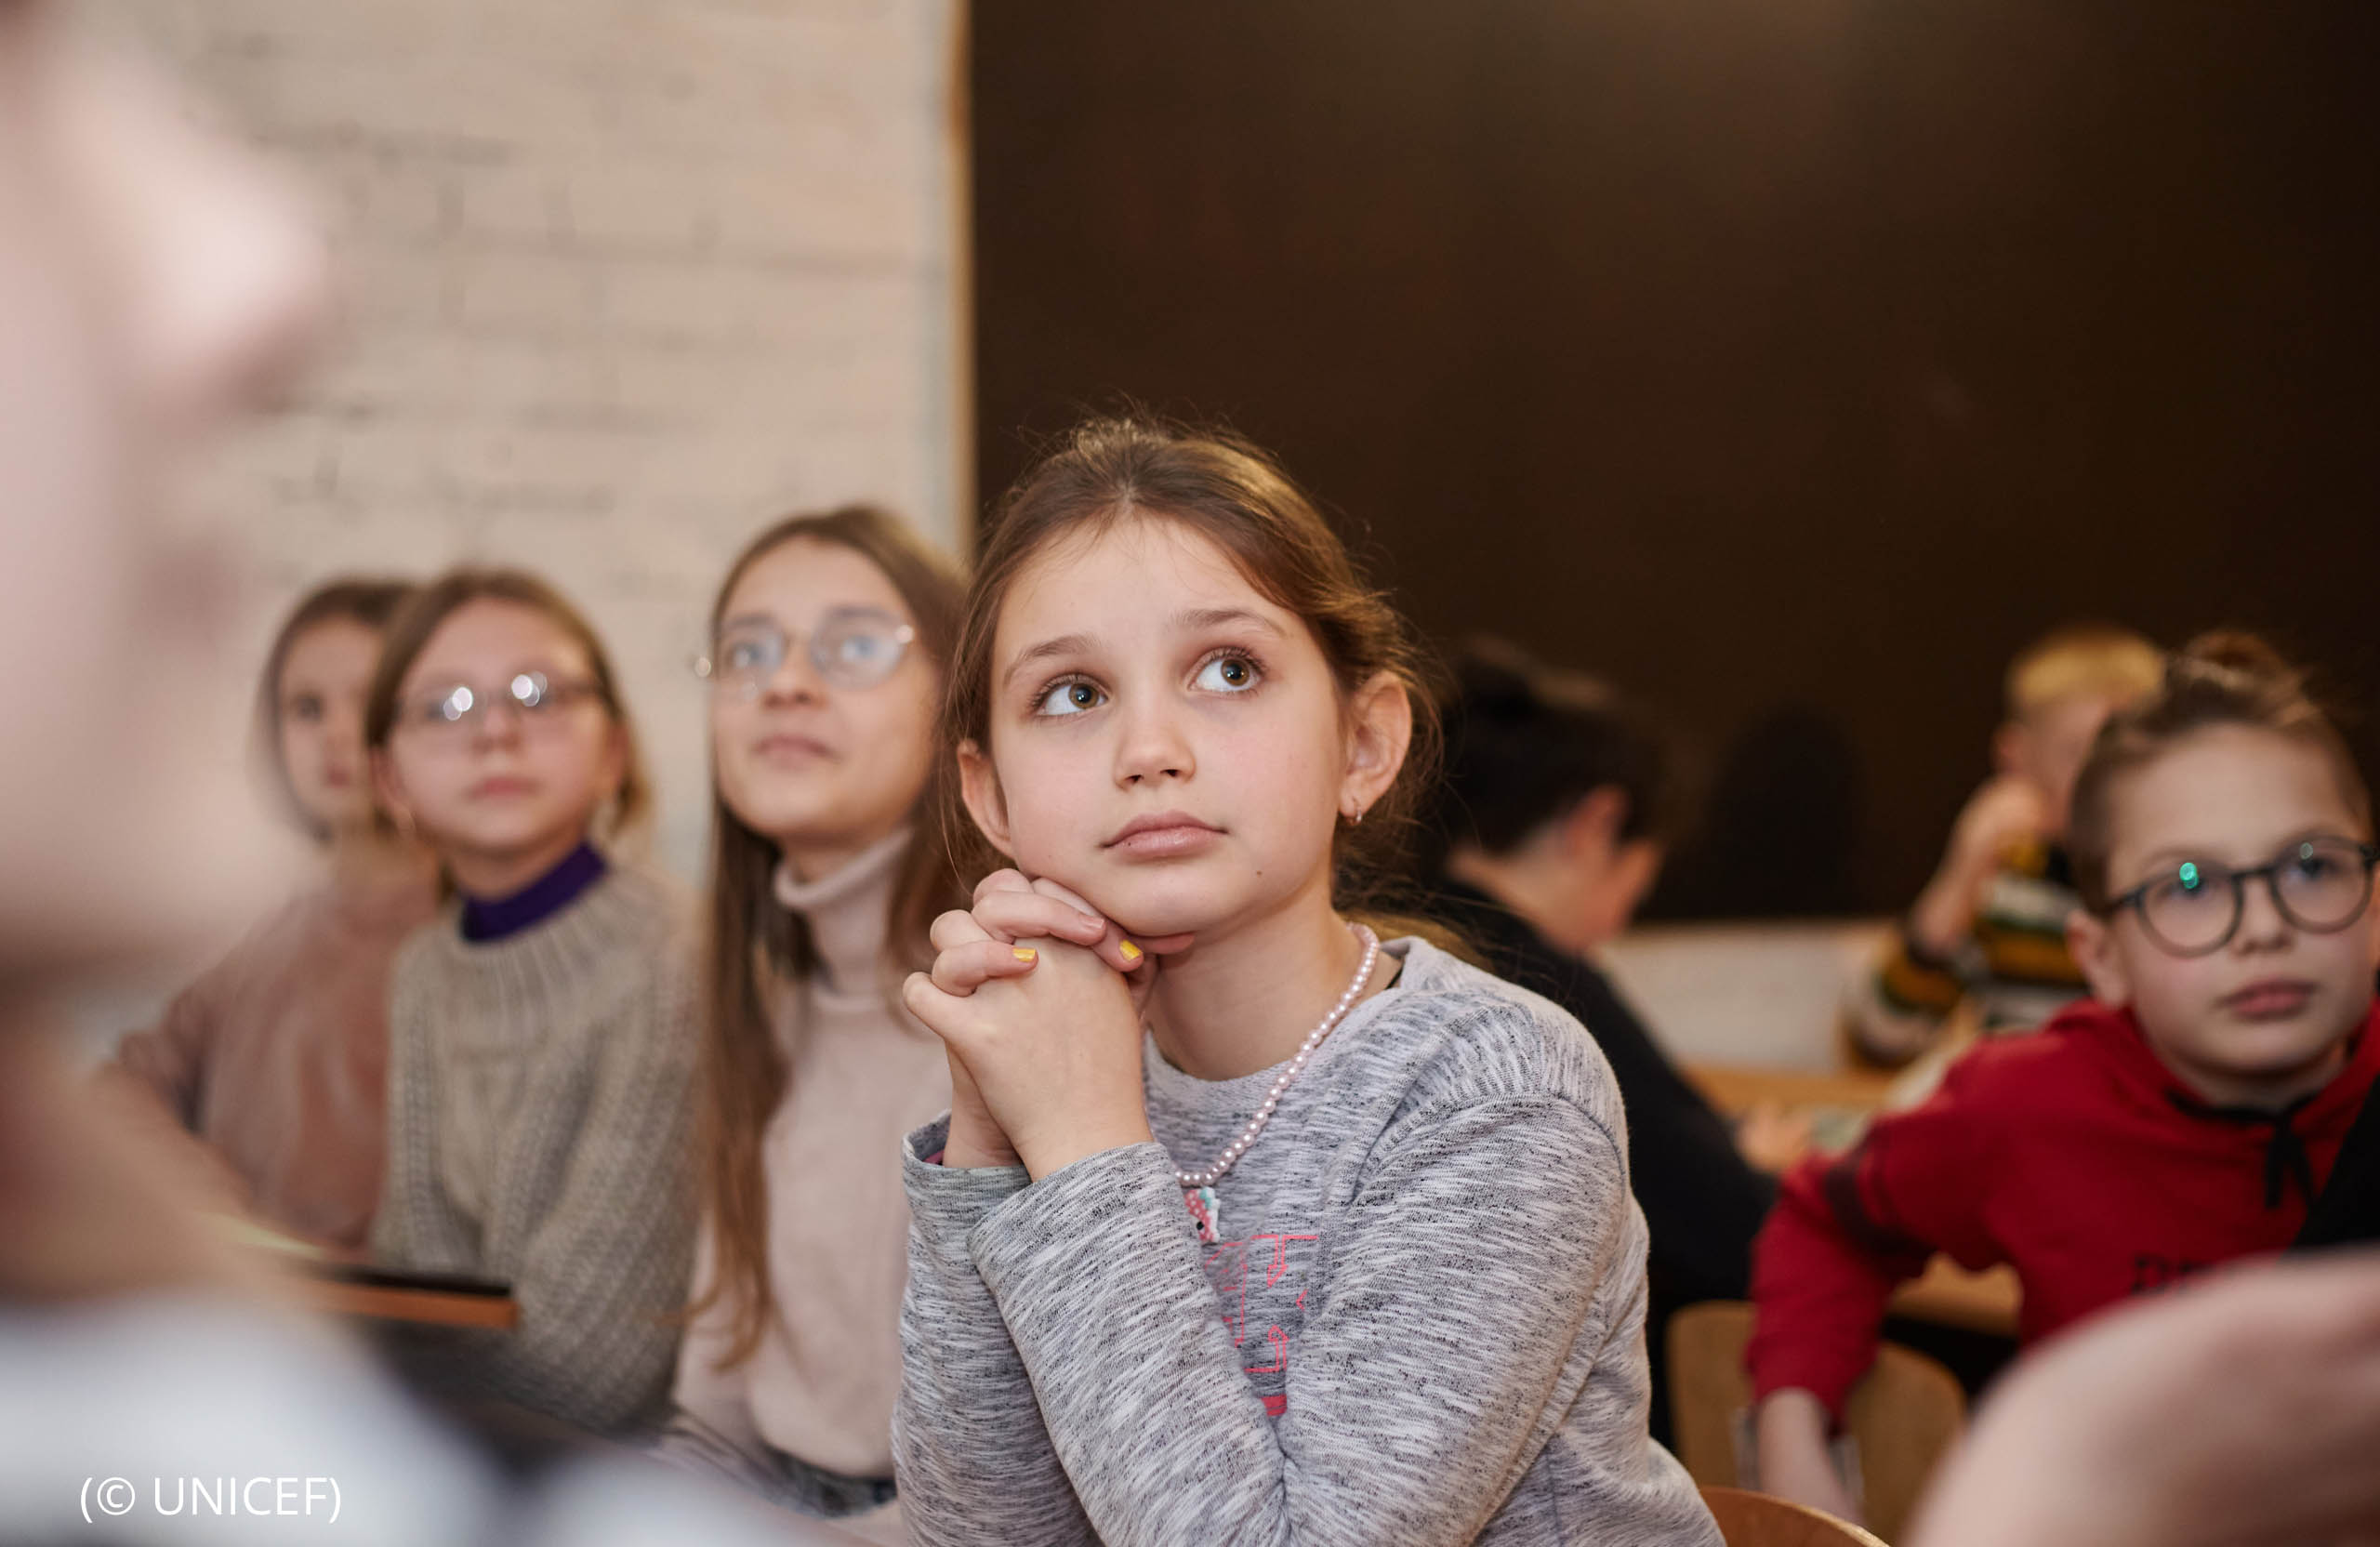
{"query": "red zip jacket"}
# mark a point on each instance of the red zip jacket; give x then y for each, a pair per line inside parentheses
(2073, 1155)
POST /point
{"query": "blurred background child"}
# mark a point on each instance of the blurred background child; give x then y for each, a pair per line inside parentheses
(829, 642)
(268, 1074)
(1989, 928)
(1549, 826)
(541, 1032)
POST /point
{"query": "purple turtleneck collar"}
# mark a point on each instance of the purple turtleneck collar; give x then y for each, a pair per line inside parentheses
(485, 920)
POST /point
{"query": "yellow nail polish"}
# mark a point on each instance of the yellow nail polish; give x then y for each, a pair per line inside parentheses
(1025, 953)
(1130, 951)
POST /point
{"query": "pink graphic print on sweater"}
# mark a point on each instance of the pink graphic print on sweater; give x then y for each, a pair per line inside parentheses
(1256, 1284)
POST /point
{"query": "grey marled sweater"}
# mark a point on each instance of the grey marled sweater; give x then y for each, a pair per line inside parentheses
(539, 1106)
(1424, 1324)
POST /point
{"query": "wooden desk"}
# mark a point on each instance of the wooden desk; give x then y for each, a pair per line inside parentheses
(431, 1306)
(1946, 1293)
(1734, 1090)
(322, 1279)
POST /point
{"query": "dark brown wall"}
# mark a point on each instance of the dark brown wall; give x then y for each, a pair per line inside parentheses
(1756, 353)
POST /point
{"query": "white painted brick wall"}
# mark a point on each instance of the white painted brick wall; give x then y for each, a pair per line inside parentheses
(625, 280)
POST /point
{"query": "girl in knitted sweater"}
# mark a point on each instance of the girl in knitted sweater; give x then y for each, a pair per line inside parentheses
(541, 1045)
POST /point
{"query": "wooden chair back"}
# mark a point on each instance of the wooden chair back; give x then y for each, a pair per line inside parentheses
(1902, 1418)
(1747, 1519)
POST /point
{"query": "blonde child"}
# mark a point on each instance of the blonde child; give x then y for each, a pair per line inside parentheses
(1247, 1225)
(1989, 928)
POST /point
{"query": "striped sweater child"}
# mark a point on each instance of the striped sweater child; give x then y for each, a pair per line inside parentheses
(2014, 968)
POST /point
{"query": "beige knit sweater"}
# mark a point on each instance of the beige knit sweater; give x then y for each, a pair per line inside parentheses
(539, 1106)
(861, 1073)
(265, 1079)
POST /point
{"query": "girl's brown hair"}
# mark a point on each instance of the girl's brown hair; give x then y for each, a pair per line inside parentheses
(421, 613)
(754, 945)
(1109, 470)
(2225, 678)
(348, 599)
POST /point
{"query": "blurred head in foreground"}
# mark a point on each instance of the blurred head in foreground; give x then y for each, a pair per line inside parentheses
(154, 282)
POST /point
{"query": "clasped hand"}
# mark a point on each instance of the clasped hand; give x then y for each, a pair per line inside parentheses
(1039, 1000)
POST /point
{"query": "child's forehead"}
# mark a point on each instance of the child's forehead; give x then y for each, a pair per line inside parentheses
(334, 644)
(1124, 574)
(812, 573)
(495, 632)
(2234, 791)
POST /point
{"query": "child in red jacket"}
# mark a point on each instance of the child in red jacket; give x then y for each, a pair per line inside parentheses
(2186, 1116)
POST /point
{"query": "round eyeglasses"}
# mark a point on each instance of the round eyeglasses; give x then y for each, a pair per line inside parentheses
(2320, 885)
(851, 647)
(458, 709)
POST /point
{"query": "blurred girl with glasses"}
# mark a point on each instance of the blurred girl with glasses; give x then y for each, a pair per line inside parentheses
(266, 1074)
(831, 635)
(2187, 1115)
(541, 1032)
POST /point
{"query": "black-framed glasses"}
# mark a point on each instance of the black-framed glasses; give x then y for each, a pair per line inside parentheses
(851, 647)
(456, 710)
(2193, 908)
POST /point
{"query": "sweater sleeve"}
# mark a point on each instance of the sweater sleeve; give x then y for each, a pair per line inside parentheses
(1422, 1391)
(602, 1275)
(1847, 1229)
(1897, 1008)
(966, 1430)
(168, 1060)
(156, 1078)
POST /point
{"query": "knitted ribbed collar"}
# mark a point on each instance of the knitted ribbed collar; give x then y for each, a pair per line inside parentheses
(846, 913)
(485, 920)
(613, 922)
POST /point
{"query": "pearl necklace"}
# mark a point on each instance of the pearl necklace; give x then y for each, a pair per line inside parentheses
(1198, 1187)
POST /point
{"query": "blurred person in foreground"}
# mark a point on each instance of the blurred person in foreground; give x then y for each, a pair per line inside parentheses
(153, 281)
(2242, 1411)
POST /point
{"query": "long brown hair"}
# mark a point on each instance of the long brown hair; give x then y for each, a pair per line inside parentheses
(347, 599)
(2225, 678)
(419, 617)
(1217, 484)
(754, 945)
